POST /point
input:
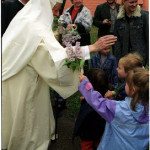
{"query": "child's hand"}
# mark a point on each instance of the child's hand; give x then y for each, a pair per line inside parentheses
(81, 77)
(109, 94)
(81, 98)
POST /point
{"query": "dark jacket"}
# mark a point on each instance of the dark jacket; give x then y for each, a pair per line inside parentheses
(134, 34)
(121, 94)
(109, 67)
(9, 10)
(103, 12)
(89, 124)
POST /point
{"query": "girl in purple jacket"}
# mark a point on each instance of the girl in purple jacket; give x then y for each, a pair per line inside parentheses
(127, 122)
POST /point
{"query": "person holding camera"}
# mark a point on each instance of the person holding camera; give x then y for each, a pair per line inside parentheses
(104, 17)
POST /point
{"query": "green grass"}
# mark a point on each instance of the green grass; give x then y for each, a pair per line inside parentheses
(93, 34)
(73, 104)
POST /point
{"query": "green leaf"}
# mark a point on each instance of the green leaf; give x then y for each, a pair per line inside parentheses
(73, 68)
(82, 63)
(74, 29)
(75, 64)
(67, 63)
(67, 31)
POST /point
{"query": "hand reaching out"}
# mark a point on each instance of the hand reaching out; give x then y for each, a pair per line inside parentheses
(109, 94)
(103, 42)
(81, 77)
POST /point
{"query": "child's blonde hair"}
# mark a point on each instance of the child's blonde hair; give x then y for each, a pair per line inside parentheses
(131, 61)
(139, 79)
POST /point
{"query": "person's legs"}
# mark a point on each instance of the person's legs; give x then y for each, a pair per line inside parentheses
(96, 143)
(60, 105)
(61, 101)
(86, 145)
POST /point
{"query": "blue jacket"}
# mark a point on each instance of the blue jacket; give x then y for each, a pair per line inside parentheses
(125, 129)
(109, 67)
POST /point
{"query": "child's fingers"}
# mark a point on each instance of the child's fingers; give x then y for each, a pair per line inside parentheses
(108, 94)
(81, 98)
(81, 77)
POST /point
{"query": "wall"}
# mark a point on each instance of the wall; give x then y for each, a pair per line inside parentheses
(91, 4)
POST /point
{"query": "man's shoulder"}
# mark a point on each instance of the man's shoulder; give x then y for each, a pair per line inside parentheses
(7, 3)
(144, 12)
(85, 8)
(117, 4)
(102, 5)
(12, 3)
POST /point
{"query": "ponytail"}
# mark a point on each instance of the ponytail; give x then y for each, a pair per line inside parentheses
(139, 79)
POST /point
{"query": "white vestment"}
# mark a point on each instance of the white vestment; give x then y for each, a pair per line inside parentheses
(32, 60)
(27, 117)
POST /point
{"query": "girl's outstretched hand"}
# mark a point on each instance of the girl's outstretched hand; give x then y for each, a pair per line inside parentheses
(109, 94)
(81, 77)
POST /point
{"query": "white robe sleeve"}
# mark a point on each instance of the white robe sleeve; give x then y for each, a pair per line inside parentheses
(63, 81)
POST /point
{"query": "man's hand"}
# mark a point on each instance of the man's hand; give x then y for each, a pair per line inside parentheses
(103, 43)
(71, 25)
(81, 77)
(107, 22)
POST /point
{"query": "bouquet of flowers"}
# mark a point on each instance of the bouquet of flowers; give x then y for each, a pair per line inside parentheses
(70, 36)
(75, 59)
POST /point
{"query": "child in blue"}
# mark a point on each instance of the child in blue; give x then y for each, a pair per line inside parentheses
(126, 63)
(107, 62)
(127, 122)
(89, 124)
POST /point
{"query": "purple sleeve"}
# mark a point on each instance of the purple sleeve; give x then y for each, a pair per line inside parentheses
(104, 107)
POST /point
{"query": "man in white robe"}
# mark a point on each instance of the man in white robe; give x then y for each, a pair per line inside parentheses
(32, 61)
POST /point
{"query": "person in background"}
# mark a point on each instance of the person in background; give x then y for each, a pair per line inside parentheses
(107, 62)
(132, 30)
(62, 7)
(9, 10)
(104, 17)
(127, 122)
(126, 63)
(89, 124)
(32, 61)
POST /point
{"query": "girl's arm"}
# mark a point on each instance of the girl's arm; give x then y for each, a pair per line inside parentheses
(104, 107)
